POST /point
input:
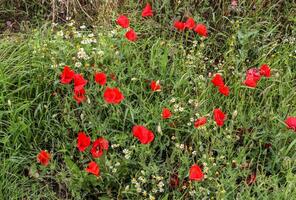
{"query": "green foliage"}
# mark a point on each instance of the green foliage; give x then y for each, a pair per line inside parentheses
(37, 112)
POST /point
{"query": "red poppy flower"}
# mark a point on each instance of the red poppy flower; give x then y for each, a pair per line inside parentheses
(219, 117)
(190, 23)
(79, 95)
(250, 82)
(217, 80)
(251, 178)
(67, 75)
(79, 82)
(123, 21)
(224, 90)
(98, 147)
(144, 135)
(201, 30)
(199, 122)
(291, 123)
(265, 70)
(254, 73)
(166, 113)
(179, 25)
(195, 173)
(131, 35)
(83, 141)
(93, 168)
(100, 78)
(147, 11)
(113, 95)
(43, 157)
(155, 86)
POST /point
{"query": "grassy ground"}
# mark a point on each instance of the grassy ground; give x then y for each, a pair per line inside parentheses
(37, 112)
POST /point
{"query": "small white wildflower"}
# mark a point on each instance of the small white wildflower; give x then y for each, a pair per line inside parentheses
(81, 54)
(192, 119)
(113, 32)
(181, 146)
(134, 181)
(160, 184)
(114, 170)
(181, 109)
(143, 180)
(78, 64)
(78, 34)
(133, 79)
(234, 114)
(62, 64)
(127, 188)
(114, 146)
(91, 35)
(9, 102)
(125, 151)
(173, 137)
(86, 41)
(144, 193)
(190, 101)
(158, 128)
(161, 190)
(82, 27)
(194, 153)
(173, 100)
(189, 124)
(139, 190)
(60, 33)
(101, 53)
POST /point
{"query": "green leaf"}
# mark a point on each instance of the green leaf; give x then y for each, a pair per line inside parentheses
(72, 166)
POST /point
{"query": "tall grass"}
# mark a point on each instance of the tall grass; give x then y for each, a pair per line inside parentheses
(36, 112)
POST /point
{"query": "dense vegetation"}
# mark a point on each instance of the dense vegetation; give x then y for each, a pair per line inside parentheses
(252, 156)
